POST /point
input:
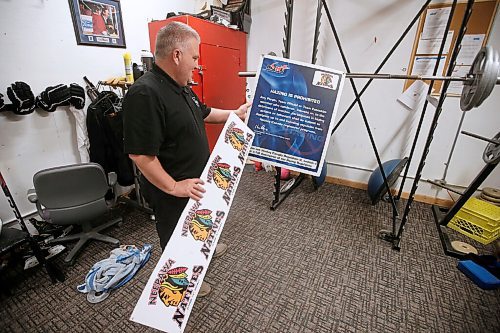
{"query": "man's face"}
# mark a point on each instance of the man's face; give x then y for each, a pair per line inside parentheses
(105, 13)
(188, 61)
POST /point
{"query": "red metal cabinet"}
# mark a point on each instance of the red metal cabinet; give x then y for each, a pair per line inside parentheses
(222, 56)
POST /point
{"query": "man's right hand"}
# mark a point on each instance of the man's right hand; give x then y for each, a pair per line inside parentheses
(191, 188)
(153, 171)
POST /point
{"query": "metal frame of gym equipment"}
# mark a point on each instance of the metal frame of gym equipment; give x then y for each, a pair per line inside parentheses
(441, 218)
(281, 194)
(279, 197)
(390, 236)
(394, 238)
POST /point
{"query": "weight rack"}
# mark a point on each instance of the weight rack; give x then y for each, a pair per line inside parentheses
(473, 95)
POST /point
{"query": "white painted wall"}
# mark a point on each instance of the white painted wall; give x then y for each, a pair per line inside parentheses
(358, 23)
(38, 46)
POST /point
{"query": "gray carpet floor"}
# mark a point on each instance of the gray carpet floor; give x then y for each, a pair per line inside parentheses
(313, 265)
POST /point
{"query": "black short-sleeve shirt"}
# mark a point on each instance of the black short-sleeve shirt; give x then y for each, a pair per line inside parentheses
(163, 119)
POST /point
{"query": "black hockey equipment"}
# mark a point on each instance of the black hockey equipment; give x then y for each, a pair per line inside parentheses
(22, 98)
(77, 96)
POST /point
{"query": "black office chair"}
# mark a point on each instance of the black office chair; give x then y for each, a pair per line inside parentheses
(74, 194)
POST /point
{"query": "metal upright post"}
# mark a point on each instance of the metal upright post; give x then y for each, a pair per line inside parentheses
(437, 113)
(426, 103)
(278, 198)
(363, 114)
(316, 32)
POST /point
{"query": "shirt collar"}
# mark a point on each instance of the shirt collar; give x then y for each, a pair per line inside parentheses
(175, 86)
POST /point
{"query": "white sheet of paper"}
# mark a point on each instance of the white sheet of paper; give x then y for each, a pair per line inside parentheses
(455, 87)
(414, 95)
(435, 22)
(431, 46)
(471, 45)
(170, 293)
(424, 65)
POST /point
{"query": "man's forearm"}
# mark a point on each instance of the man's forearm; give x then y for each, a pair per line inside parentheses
(218, 116)
(153, 171)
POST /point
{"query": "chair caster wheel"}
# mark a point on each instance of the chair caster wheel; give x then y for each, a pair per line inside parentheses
(119, 224)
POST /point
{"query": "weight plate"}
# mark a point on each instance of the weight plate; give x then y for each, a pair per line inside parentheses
(492, 151)
(490, 76)
(469, 88)
(484, 71)
(492, 192)
(463, 247)
(489, 199)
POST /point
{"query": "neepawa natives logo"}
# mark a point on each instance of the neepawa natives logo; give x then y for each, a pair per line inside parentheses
(220, 174)
(176, 290)
(174, 286)
(180, 312)
(158, 281)
(235, 137)
(200, 224)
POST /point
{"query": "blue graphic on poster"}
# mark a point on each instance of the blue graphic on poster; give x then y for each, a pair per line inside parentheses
(292, 113)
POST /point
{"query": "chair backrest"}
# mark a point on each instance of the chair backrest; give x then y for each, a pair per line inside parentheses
(73, 193)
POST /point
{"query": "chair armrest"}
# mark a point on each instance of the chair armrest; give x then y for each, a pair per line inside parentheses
(112, 179)
(32, 197)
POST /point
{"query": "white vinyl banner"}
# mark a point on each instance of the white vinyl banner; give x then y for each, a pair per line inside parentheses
(171, 290)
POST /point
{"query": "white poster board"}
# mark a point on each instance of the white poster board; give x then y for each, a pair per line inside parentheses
(292, 114)
(171, 290)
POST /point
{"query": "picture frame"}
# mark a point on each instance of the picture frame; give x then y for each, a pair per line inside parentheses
(98, 22)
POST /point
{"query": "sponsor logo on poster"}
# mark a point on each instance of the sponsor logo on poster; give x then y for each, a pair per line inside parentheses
(277, 67)
(325, 80)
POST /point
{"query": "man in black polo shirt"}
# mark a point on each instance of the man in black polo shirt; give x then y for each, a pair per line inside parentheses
(164, 132)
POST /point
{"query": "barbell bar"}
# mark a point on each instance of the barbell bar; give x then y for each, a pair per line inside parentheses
(478, 83)
(393, 76)
(491, 153)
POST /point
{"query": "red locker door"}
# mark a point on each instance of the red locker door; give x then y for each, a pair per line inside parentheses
(222, 88)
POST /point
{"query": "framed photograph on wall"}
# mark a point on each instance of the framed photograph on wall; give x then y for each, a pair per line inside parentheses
(98, 22)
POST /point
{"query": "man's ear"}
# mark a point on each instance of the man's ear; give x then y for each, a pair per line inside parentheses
(176, 56)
